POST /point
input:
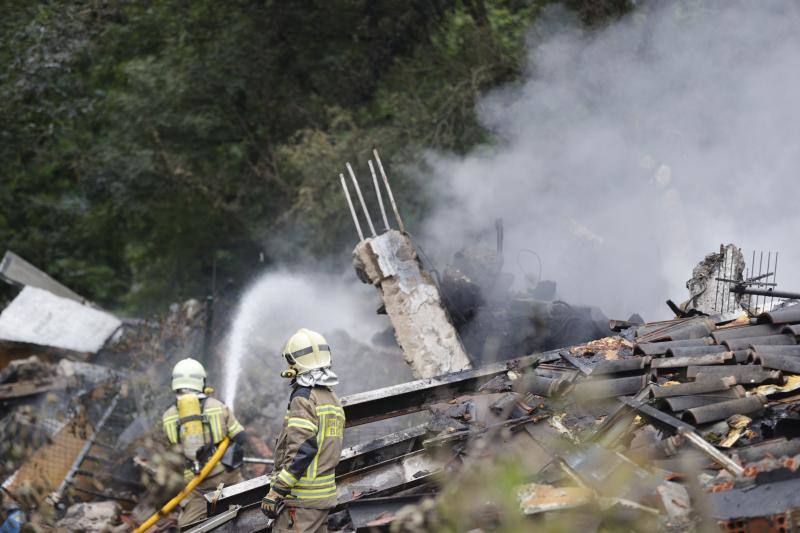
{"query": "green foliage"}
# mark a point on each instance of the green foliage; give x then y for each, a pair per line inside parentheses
(142, 142)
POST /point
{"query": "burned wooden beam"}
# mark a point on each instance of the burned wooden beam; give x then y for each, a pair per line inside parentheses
(22, 389)
(414, 396)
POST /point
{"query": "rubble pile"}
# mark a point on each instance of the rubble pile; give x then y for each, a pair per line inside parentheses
(80, 435)
(669, 425)
(685, 424)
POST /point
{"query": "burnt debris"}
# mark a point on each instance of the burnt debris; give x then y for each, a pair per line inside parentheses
(680, 424)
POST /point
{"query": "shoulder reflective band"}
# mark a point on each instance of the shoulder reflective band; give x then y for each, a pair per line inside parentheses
(296, 422)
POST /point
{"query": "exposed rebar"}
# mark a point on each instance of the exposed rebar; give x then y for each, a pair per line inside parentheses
(361, 199)
(378, 193)
(389, 191)
(352, 209)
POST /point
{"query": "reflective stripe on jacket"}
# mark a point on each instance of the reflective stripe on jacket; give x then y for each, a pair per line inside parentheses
(219, 423)
(309, 448)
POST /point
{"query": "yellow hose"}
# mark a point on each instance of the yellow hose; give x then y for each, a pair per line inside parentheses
(170, 505)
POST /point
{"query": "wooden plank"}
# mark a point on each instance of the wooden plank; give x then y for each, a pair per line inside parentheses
(29, 388)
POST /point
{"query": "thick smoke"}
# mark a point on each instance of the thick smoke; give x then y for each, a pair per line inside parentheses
(628, 154)
(625, 156)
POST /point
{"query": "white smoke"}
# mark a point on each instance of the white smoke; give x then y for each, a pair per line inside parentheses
(281, 302)
(629, 153)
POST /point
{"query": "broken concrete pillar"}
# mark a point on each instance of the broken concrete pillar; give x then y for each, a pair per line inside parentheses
(413, 302)
(709, 293)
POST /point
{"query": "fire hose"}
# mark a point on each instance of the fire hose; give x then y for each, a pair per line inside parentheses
(170, 505)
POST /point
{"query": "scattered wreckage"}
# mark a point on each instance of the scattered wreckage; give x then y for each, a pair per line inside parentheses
(672, 425)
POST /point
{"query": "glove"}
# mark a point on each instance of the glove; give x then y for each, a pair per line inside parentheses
(271, 503)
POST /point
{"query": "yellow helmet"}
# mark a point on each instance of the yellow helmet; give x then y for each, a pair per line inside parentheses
(305, 351)
(188, 374)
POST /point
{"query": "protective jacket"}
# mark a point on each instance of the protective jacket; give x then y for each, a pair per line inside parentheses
(218, 423)
(308, 448)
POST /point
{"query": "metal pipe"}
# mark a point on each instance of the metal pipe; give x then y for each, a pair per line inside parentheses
(389, 191)
(751, 405)
(361, 199)
(352, 209)
(760, 264)
(258, 460)
(378, 193)
(774, 274)
(760, 292)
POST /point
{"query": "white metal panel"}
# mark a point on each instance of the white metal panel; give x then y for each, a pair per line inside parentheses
(37, 316)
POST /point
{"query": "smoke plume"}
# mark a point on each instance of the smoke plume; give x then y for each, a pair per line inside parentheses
(627, 154)
(281, 302)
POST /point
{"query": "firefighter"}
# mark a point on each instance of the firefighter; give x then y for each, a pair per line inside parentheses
(195, 425)
(303, 488)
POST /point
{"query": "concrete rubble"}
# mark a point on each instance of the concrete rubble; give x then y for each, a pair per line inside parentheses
(413, 302)
(685, 424)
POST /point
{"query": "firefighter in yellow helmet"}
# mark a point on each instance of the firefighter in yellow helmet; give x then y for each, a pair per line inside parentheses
(195, 424)
(303, 488)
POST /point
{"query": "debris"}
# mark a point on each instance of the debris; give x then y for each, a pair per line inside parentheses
(413, 303)
(30, 388)
(613, 431)
(792, 383)
(39, 317)
(534, 498)
(707, 286)
(738, 424)
(101, 517)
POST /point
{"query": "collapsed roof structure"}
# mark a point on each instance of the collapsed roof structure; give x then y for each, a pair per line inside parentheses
(674, 425)
(528, 411)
